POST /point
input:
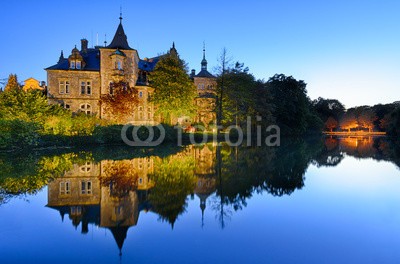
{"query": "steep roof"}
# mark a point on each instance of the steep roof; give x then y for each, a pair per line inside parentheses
(148, 64)
(91, 58)
(120, 41)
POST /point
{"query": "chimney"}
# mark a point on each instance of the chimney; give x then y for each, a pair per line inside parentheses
(193, 73)
(84, 45)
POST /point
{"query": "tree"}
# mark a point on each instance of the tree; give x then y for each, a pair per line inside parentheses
(12, 83)
(393, 123)
(366, 119)
(292, 107)
(224, 64)
(348, 120)
(331, 123)
(328, 108)
(174, 93)
(244, 96)
(121, 103)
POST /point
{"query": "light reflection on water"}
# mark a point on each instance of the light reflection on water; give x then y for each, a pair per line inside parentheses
(325, 201)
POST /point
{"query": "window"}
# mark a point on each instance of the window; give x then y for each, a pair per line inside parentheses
(72, 65)
(118, 210)
(86, 87)
(65, 188)
(67, 106)
(86, 187)
(86, 108)
(67, 87)
(111, 88)
(140, 180)
(61, 87)
(87, 167)
(140, 94)
(76, 210)
(119, 65)
(78, 65)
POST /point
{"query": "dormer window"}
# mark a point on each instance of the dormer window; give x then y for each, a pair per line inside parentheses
(76, 60)
(118, 57)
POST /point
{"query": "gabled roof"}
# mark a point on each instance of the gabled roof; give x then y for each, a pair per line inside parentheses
(120, 41)
(91, 58)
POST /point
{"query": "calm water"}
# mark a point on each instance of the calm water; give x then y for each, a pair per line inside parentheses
(323, 201)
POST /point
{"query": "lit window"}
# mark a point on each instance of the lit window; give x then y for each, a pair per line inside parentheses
(72, 65)
(78, 65)
(86, 187)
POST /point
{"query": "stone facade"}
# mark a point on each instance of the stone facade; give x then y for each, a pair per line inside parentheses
(79, 81)
(206, 85)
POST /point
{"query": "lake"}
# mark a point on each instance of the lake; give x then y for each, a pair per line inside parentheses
(324, 200)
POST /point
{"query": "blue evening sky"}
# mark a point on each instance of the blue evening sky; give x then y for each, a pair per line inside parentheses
(348, 50)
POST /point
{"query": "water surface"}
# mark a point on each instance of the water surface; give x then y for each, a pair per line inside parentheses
(326, 201)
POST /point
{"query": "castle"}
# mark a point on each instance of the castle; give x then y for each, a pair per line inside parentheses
(78, 81)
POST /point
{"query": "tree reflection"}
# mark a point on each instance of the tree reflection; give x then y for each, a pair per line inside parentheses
(174, 180)
(110, 189)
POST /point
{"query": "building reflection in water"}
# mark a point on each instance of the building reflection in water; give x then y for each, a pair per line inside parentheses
(111, 193)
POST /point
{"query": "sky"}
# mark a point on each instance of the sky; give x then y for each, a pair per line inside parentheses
(345, 50)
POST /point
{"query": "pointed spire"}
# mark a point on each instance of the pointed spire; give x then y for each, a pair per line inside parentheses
(202, 207)
(173, 50)
(120, 14)
(61, 57)
(204, 50)
(120, 40)
(204, 61)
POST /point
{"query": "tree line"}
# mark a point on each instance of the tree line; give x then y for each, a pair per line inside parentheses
(281, 100)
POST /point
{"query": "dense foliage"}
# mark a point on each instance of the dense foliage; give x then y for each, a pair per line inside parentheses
(174, 93)
(243, 97)
(292, 107)
(121, 103)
